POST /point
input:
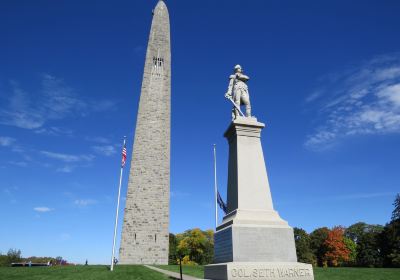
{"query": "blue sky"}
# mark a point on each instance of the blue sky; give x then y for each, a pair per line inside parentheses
(325, 78)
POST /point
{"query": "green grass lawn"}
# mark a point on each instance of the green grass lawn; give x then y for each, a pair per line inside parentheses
(343, 273)
(353, 273)
(136, 272)
(196, 271)
(91, 272)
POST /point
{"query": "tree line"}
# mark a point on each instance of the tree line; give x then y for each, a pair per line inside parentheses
(15, 256)
(360, 244)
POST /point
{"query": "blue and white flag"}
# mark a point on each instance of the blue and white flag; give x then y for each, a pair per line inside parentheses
(221, 203)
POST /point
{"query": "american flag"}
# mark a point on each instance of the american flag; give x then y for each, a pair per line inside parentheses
(123, 155)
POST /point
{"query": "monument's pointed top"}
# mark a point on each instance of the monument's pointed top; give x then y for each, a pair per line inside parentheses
(161, 3)
(161, 9)
(160, 22)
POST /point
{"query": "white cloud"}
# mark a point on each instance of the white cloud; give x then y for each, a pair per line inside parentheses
(65, 169)
(42, 209)
(387, 73)
(6, 141)
(19, 111)
(54, 131)
(105, 150)
(320, 137)
(54, 101)
(67, 157)
(391, 93)
(18, 163)
(103, 105)
(84, 202)
(60, 100)
(313, 96)
(365, 100)
(14, 147)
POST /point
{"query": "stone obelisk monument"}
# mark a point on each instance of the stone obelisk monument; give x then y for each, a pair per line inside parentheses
(145, 232)
(253, 241)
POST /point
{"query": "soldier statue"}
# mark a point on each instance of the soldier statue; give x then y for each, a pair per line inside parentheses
(238, 92)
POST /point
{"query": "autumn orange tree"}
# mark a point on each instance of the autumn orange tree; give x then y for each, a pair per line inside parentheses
(336, 249)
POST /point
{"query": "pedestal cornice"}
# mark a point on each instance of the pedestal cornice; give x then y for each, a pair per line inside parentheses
(243, 126)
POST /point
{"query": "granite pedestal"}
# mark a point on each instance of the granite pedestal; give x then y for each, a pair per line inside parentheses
(253, 241)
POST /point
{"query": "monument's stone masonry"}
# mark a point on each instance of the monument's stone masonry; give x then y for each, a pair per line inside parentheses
(253, 241)
(145, 231)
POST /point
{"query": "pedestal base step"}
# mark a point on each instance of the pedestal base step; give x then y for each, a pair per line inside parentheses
(261, 270)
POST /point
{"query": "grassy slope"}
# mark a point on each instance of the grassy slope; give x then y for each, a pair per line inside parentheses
(142, 273)
(320, 273)
(80, 273)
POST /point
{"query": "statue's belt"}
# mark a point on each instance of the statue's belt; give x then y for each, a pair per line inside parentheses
(240, 85)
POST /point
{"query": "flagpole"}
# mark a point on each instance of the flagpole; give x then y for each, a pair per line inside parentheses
(116, 214)
(215, 186)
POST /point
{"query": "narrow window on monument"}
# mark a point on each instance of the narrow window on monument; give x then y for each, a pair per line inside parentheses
(135, 236)
(155, 237)
(161, 66)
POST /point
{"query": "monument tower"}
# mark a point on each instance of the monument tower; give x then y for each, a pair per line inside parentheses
(145, 232)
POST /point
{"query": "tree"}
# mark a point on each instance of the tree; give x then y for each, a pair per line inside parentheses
(390, 238)
(197, 245)
(355, 231)
(303, 248)
(14, 256)
(317, 243)
(209, 246)
(396, 210)
(352, 247)
(336, 250)
(172, 255)
(368, 248)
(368, 243)
(390, 244)
(3, 260)
(59, 260)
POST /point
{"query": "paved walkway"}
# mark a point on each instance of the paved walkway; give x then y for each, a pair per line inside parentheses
(172, 274)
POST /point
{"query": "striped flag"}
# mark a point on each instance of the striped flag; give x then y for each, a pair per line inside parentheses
(123, 155)
(221, 203)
